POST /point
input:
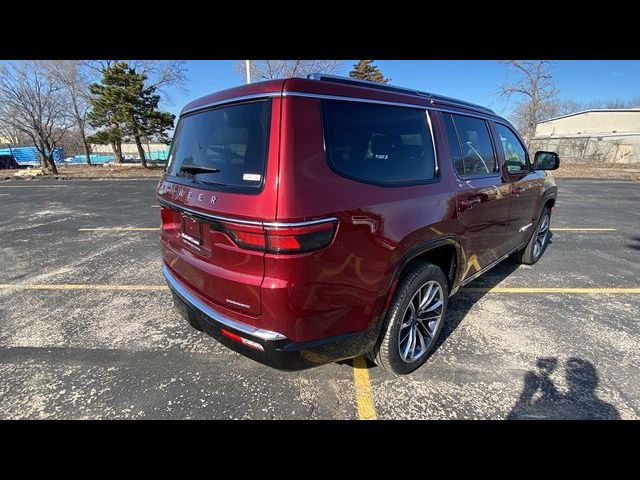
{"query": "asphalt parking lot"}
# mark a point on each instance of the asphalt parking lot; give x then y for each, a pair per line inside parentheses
(87, 328)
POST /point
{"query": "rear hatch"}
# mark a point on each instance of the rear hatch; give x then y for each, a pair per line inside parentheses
(219, 187)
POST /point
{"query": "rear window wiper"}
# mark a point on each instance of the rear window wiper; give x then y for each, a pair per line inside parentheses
(195, 169)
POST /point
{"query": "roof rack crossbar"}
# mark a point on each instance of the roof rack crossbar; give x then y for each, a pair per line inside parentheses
(394, 88)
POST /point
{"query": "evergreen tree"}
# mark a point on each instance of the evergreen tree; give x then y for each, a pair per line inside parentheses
(124, 106)
(366, 70)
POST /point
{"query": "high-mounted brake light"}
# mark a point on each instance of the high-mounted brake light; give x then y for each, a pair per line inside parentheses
(270, 239)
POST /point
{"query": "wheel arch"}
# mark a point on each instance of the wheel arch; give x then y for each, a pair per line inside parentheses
(445, 252)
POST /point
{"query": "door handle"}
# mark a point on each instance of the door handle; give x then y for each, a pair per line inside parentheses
(469, 202)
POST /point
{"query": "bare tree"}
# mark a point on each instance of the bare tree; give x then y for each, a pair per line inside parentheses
(71, 75)
(536, 89)
(34, 104)
(272, 69)
(9, 134)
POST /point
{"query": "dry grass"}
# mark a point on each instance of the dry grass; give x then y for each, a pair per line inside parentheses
(616, 171)
(96, 172)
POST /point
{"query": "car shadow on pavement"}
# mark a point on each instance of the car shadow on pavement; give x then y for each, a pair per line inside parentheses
(635, 243)
(541, 399)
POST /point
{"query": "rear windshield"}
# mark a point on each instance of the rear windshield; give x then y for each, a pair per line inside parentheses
(379, 144)
(228, 143)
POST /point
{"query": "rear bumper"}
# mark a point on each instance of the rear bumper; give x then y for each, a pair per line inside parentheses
(277, 351)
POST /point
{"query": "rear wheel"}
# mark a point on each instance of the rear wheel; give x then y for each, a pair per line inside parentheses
(414, 320)
(538, 242)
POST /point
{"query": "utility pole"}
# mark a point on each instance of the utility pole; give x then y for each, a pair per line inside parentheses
(247, 66)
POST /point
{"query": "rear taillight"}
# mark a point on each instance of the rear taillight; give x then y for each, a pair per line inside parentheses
(301, 239)
(167, 220)
(246, 236)
(285, 239)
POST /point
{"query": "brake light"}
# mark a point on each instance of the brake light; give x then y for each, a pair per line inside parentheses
(299, 239)
(250, 237)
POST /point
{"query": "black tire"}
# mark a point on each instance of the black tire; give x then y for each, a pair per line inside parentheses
(534, 250)
(387, 353)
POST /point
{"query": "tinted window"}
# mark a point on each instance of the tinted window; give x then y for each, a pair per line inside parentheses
(477, 155)
(230, 139)
(379, 143)
(515, 155)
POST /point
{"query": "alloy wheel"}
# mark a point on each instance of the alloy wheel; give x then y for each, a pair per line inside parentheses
(541, 236)
(421, 321)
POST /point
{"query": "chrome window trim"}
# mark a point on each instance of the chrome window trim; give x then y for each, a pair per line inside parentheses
(351, 99)
(232, 100)
(260, 333)
(436, 162)
(220, 218)
(397, 104)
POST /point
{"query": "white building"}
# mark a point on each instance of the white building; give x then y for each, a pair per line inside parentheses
(593, 136)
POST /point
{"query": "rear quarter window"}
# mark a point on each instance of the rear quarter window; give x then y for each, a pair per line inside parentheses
(231, 139)
(379, 144)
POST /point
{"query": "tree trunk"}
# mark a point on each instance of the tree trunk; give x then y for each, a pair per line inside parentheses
(117, 150)
(143, 160)
(43, 162)
(42, 154)
(52, 164)
(87, 147)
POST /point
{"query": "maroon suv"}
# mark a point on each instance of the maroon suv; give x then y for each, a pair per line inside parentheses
(306, 221)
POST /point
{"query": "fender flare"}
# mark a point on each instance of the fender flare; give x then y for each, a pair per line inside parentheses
(550, 193)
(412, 254)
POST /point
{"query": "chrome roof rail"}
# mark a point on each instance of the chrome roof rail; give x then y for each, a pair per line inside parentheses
(396, 89)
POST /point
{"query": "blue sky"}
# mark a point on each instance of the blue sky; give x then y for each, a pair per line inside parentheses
(472, 80)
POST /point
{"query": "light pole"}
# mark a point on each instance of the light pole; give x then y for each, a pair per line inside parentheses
(247, 66)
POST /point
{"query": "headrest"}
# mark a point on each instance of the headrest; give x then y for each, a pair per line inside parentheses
(381, 145)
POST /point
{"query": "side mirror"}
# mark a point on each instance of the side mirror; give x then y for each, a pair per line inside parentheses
(546, 161)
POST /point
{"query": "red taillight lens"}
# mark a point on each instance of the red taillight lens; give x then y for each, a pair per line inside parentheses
(246, 236)
(300, 239)
(167, 220)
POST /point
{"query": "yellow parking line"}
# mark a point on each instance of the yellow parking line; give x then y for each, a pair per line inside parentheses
(120, 229)
(366, 409)
(594, 291)
(80, 286)
(553, 229)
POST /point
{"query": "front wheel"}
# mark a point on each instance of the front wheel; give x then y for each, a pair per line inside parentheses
(414, 320)
(538, 242)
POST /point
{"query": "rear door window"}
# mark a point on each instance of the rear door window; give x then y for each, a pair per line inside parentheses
(224, 147)
(472, 149)
(379, 144)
